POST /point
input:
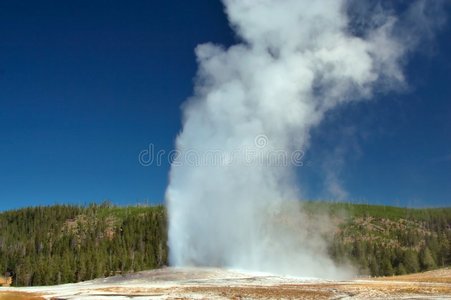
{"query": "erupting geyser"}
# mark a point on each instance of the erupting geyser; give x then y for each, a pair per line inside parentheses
(297, 60)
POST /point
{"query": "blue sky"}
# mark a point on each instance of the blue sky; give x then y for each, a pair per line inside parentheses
(85, 86)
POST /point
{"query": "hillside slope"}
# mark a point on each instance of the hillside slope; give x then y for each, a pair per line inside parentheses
(384, 240)
(60, 244)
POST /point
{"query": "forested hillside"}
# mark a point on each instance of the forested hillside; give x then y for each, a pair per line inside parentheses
(384, 240)
(60, 244)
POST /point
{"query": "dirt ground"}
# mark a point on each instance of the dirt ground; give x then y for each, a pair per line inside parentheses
(221, 284)
(437, 276)
(19, 296)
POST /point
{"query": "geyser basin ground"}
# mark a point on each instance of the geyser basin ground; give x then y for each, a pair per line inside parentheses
(207, 283)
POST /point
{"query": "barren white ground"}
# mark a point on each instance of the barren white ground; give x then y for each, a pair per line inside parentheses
(207, 283)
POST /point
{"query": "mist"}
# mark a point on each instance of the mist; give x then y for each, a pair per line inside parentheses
(233, 200)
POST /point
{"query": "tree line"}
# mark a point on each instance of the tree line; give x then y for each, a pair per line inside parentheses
(385, 241)
(62, 243)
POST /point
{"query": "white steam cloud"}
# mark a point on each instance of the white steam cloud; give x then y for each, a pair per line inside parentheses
(297, 60)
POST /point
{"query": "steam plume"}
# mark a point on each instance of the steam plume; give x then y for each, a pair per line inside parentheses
(296, 60)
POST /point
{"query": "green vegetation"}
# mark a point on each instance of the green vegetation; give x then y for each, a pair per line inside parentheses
(60, 244)
(385, 240)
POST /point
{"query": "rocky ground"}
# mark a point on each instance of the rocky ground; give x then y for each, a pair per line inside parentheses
(186, 283)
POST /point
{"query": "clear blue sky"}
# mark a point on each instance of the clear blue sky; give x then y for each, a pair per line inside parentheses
(86, 85)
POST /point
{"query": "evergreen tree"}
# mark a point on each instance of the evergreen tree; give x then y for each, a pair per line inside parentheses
(426, 259)
(386, 267)
(401, 270)
(411, 262)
